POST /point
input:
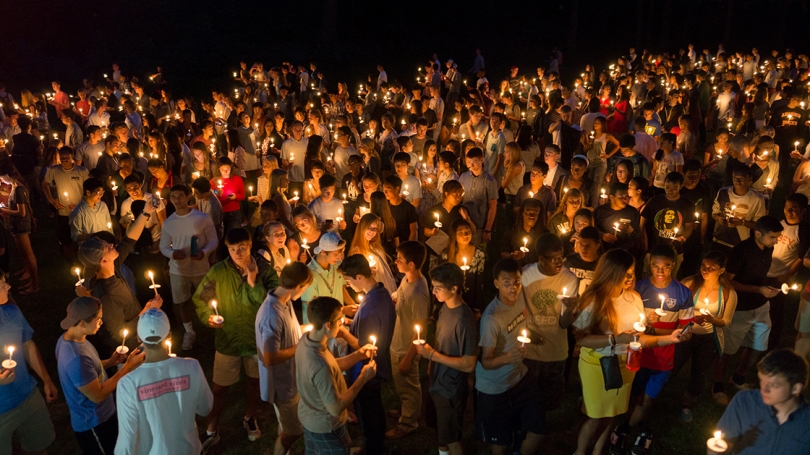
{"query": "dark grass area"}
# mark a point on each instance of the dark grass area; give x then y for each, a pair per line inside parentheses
(45, 310)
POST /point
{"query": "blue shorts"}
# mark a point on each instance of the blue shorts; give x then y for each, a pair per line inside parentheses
(651, 382)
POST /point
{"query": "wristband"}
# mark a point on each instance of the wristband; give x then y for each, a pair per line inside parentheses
(430, 357)
(147, 215)
(611, 340)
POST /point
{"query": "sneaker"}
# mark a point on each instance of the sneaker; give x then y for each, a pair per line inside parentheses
(208, 441)
(686, 414)
(642, 445)
(252, 429)
(720, 398)
(188, 340)
(738, 385)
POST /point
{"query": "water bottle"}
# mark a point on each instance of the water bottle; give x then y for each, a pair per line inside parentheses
(633, 362)
(194, 245)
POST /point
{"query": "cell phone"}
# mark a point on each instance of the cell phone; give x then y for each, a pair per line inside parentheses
(686, 329)
(155, 202)
(194, 245)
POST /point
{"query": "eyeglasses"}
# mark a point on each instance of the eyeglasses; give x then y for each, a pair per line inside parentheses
(554, 259)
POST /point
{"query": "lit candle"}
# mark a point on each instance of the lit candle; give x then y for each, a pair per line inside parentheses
(465, 267)
(717, 444)
(705, 310)
(217, 318)
(697, 217)
(219, 184)
(616, 228)
(295, 196)
(373, 345)
(525, 248)
(169, 347)
(153, 286)
(123, 349)
(660, 311)
(304, 244)
(10, 364)
(524, 338)
(371, 261)
(345, 201)
(603, 196)
(531, 194)
(405, 192)
(78, 276)
(250, 189)
(418, 339)
(437, 223)
(340, 216)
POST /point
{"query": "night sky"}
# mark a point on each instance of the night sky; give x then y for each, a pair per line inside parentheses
(199, 43)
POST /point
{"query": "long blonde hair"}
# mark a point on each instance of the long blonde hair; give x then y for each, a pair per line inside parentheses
(362, 246)
(610, 273)
(452, 245)
(572, 192)
(511, 152)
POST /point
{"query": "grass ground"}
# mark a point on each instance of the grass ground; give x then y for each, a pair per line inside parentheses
(45, 310)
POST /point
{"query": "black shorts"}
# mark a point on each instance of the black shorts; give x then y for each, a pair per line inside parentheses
(519, 408)
(549, 378)
(450, 415)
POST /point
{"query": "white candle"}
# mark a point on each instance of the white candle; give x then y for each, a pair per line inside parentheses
(717, 444)
(524, 338)
(640, 326)
(371, 261)
(660, 311)
(153, 286)
(438, 223)
(78, 273)
(169, 347)
(217, 318)
(250, 189)
(405, 192)
(603, 196)
(10, 364)
(373, 344)
(123, 349)
(616, 228)
(705, 310)
(525, 248)
(465, 267)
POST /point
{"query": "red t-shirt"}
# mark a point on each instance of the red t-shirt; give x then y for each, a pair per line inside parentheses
(233, 185)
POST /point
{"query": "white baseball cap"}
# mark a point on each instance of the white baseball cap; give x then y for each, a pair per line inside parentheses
(330, 241)
(153, 326)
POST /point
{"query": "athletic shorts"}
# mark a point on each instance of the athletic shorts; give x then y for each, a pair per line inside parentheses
(184, 287)
(650, 381)
(748, 329)
(32, 423)
(519, 408)
(227, 368)
(287, 415)
(803, 317)
(450, 416)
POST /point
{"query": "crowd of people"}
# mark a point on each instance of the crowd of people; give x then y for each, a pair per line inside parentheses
(516, 236)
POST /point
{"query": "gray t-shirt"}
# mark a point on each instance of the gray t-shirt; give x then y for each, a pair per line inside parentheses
(276, 329)
(69, 182)
(455, 337)
(478, 191)
(89, 154)
(500, 326)
(319, 381)
(413, 300)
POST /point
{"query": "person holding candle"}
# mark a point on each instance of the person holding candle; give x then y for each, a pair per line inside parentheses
(18, 214)
(90, 215)
(400, 217)
(132, 185)
(230, 189)
(311, 186)
(480, 196)
(748, 265)
(776, 410)
(324, 397)
(674, 308)
(145, 409)
(412, 303)
(342, 150)
(617, 222)
(88, 391)
(551, 292)
(463, 253)
(187, 238)
(103, 264)
(201, 164)
(22, 410)
(208, 203)
(787, 258)
(561, 223)
(506, 399)
(328, 281)
(518, 241)
(665, 161)
(629, 150)
(736, 210)
(375, 317)
(411, 186)
(452, 358)
(308, 235)
(239, 284)
(293, 155)
(325, 207)
(65, 180)
(277, 337)
(279, 183)
(667, 219)
(765, 168)
(698, 193)
(535, 189)
(715, 302)
(367, 242)
(270, 241)
(603, 323)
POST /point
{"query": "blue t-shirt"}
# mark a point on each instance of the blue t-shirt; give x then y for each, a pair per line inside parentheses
(375, 316)
(15, 331)
(753, 427)
(79, 365)
(679, 309)
(276, 329)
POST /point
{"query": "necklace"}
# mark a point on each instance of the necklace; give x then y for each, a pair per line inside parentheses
(330, 285)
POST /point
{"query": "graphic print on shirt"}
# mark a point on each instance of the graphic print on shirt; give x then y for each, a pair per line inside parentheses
(544, 300)
(157, 389)
(737, 211)
(585, 278)
(665, 222)
(516, 322)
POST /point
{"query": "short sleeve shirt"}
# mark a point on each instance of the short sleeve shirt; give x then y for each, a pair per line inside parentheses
(543, 311)
(15, 331)
(663, 217)
(319, 381)
(478, 191)
(455, 337)
(501, 324)
(276, 329)
(678, 308)
(412, 302)
(79, 365)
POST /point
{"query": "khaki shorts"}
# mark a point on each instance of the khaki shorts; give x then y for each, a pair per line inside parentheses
(803, 318)
(227, 368)
(32, 423)
(184, 287)
(287, 415)
(748, 329)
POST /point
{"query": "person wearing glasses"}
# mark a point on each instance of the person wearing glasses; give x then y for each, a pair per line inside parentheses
(239, 285)
(90, 215)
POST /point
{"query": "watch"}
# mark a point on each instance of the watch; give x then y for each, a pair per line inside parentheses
(147, 215)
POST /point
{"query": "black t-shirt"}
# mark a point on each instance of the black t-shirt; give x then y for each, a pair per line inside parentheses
(582, 269)
(404, 214)
(446, 218)
(24, 155)
(605, 219)
(663, 216)
(512, 240)
(749, 264)
(701, 196)
(789, 125)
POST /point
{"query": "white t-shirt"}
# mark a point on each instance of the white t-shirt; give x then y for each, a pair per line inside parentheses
(786, 249)
(628, 307)
(327, 210)
(342, 161)
(665, 165)
(157, 406)
(176, 234)
(152, 224)
(543, 311)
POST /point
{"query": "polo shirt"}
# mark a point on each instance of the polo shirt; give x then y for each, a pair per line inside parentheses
(754, 429)
(319, 380)
(478, 191)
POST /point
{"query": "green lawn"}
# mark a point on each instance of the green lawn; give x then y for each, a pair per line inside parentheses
(45, 310)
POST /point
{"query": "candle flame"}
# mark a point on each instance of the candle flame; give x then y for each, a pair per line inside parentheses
(214, 303)
(525, 333)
